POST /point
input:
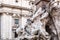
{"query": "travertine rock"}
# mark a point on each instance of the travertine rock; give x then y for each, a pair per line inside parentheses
(44, 23)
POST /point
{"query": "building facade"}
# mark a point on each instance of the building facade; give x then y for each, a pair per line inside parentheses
(14, 13)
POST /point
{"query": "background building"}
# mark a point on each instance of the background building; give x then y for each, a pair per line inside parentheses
(10, 16)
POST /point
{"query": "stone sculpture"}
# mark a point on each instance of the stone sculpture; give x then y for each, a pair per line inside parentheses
(39, 25)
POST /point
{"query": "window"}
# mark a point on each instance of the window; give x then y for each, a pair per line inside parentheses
(16, 21)
(16, 35)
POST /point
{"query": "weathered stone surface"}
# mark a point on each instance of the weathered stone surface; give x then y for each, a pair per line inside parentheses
(43, 24)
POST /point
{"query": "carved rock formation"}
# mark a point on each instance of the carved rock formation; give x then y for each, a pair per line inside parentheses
(43, 25)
